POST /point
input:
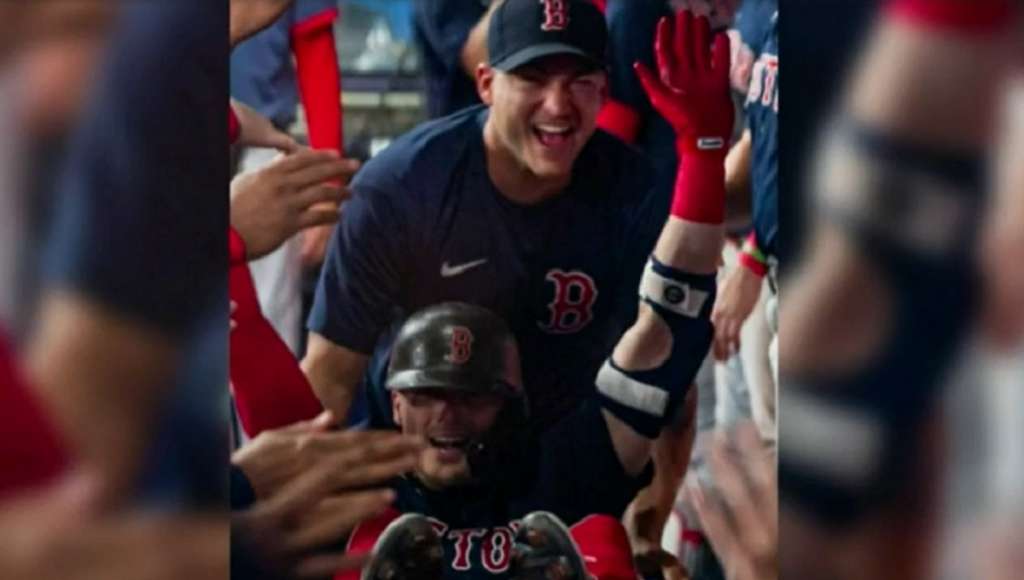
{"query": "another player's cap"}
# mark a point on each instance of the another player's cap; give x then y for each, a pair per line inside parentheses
(523, 30)
(455, 346)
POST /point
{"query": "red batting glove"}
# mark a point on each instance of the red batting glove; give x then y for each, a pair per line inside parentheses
(691, 91)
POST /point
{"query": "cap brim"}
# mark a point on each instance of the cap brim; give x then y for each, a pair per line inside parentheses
(526, 55)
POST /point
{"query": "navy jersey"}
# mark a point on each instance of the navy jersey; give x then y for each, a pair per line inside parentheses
(441, 28)
(262, 74)
(573, 481)
(758, 27)
(631, 31)
(426, 225)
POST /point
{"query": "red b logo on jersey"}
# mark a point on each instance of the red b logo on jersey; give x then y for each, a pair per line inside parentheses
(556, 15)
(573, 306)
(461, 346)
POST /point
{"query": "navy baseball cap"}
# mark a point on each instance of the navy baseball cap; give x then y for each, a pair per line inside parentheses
(524, 30)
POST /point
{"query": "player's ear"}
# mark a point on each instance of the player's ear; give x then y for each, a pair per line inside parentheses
(485, 83)
(395, 404)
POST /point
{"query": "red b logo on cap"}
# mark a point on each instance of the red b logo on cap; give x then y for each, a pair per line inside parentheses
(556, 15)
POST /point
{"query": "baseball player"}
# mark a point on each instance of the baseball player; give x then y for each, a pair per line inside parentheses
(518, 206)
(455, 378)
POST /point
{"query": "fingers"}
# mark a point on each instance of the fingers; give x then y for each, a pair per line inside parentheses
(664, 53)
(733, 478)
(282, 142)
(720, 55)
(701, 43)
(379, 471)
(321, 170)
(320, 193)
(682, 37)
(316, 217)
(714, 521)
(656, 91)
(324, 566)
(336, 516)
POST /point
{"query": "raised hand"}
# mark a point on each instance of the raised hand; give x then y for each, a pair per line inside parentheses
(691, 89)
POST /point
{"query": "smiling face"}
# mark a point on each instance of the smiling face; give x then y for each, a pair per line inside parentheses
(542, 113)
(450, 420)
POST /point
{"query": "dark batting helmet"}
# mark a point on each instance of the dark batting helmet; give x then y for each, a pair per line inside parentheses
(455, 346)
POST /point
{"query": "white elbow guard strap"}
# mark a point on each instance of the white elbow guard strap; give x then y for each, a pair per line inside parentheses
(646, 400)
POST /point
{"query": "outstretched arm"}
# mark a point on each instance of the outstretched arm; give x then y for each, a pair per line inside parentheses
(645, 380)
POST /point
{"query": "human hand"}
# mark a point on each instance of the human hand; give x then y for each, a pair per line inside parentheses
(740, 515)
(691, 89)
(273, 203)
(314, 245)
(735, 301)
(255, 130)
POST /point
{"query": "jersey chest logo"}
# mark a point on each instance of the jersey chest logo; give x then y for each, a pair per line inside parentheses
(556, 15)
(763, 86)
(572, 307)
(490, 548)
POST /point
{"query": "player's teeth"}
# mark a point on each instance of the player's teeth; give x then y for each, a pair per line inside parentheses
(554, 129)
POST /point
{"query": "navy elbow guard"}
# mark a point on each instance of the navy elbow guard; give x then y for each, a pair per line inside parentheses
(645, 400)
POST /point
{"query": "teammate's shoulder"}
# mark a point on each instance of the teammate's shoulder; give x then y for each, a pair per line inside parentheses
(425, 155)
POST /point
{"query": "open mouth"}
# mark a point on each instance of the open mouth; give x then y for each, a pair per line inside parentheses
(553, 135)
(450, 443)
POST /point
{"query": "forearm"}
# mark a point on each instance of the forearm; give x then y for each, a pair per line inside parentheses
(102, 377)
(334, 372)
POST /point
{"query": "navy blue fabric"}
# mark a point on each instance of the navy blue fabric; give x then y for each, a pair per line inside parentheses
(427, 201)
(262, 74)
(631, 30)
(440, 28)
(757, 24)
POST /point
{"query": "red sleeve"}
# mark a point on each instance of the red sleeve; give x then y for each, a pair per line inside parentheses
(620, 120)
(234, 128)
(32, 452)
(236, 247)
(319, 80)
(269, 388)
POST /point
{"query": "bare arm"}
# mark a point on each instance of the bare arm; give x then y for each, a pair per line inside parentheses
(334, 372)
(103, 377)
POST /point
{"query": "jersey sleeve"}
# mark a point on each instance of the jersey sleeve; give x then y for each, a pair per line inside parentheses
(141, 220)
(361, 278)
(445, 25)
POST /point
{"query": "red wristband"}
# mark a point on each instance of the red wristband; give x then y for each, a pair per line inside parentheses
(700, 187)
(966, 16)
(749, 262)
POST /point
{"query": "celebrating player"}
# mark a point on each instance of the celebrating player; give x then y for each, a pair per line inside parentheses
(455, 378)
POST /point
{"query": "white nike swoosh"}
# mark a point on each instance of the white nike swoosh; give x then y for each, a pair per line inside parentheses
(449, 271)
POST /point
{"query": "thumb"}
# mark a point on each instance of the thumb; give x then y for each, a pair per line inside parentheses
(324, 421)
(655, 89)
(79, 494)
(282, 142)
